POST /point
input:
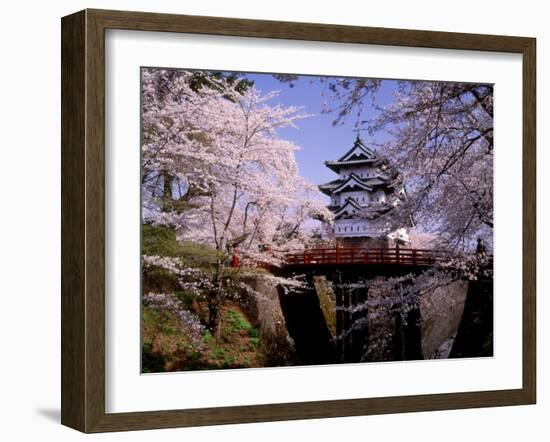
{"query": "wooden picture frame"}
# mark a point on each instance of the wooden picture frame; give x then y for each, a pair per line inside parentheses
(83, 220)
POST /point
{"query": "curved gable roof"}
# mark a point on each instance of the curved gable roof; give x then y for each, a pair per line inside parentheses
(349, 203)
(327, 188)
(359, 150)
(353, 180)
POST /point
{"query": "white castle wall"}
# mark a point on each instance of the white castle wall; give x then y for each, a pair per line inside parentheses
(361, 197)
(361, 172)
(352, 228)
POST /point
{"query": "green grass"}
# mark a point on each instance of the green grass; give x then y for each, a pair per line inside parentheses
(236, 321)
(185, 298)
(165, 348)
(161, 241)
(254, 343)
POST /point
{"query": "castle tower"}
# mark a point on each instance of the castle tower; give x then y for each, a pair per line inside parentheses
(366, 188)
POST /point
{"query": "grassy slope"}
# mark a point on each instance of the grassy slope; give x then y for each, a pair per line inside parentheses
(164, 346)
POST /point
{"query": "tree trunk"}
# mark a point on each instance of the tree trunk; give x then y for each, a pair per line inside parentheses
(215, 301)
(167, 192)
(214, 319)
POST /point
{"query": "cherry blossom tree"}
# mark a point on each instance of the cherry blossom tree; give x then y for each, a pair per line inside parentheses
(439, 135)
(216, 171)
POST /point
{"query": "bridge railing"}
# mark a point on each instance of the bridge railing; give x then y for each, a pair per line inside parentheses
(414, 257)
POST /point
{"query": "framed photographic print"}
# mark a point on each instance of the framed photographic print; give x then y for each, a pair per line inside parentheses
(269, 220)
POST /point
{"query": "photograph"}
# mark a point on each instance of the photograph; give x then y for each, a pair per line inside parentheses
(298, 220)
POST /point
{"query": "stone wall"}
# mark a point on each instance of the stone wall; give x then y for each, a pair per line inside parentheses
(263, 308)
(425, 328)
(441, 313)
(327, 302)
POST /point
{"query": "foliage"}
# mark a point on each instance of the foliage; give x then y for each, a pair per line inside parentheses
(166, 345)
(440, 137)
(160, 240)
(200, 79)
(187, 321)
(215, 171)
(232, 182)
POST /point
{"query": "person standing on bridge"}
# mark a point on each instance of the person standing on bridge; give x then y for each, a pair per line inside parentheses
(480, 249)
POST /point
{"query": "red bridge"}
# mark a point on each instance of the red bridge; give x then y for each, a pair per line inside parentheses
(361, 256)
(398, 256)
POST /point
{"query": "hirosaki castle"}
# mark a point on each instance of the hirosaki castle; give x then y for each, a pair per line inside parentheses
(366, 188)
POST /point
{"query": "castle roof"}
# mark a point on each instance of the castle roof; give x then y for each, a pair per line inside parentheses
(327, 188)
(353, 180)
(350, 203)
(359, 154)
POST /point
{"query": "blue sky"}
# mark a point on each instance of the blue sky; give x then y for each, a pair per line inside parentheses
(318, 138)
